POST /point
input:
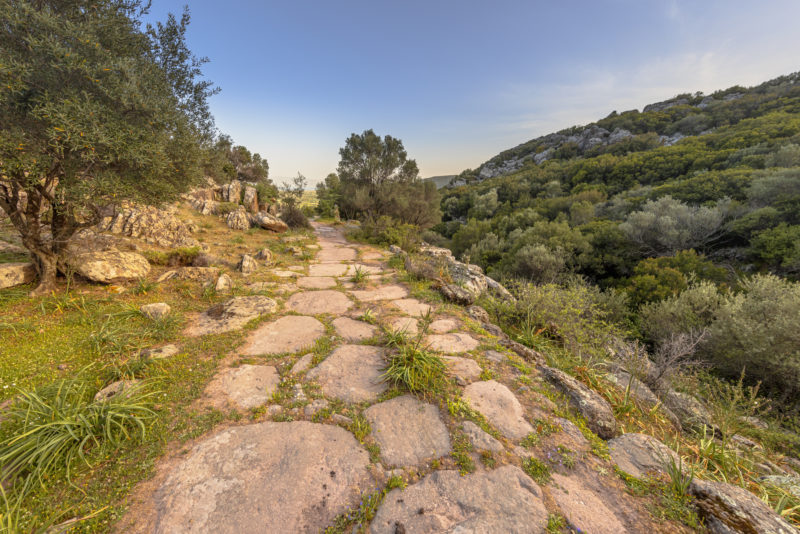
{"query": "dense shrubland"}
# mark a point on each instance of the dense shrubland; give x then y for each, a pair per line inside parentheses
(692, 239)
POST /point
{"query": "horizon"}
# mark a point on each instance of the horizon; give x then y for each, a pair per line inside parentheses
(459, 83)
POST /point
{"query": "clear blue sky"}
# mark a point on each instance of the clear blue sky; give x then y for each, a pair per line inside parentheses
(459, 81)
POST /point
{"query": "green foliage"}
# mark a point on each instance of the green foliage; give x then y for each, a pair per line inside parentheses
(656, 279)
(387, 231)
(77, 132)
(779, 247)
(536, 469)
(54, 427)
(377, 179)
(175, 257)
(329, 195)
(417, 369)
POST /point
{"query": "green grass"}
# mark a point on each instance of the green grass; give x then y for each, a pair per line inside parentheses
(536, 469)
(416, 369)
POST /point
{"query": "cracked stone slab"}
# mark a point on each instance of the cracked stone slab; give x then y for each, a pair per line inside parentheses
(404, 324)
(500, 407)
(455, 343)
(287, 334)
(265, 477)
(352, 330)
(336, 254)
(316, 282)
(387, 292)
(464, 369)
(230, 315)
(328, 269)
(351, 373)
(502, 500)
(583, 507)
(317, 302)
(408, 431)
(412, 307)
(246, 386)
(443, 326)
(479, 438)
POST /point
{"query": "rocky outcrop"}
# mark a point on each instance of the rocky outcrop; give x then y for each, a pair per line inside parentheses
(637, 390)
(458, 282)
(150, 224)
(690, 411)
(232, 192)
(594, 408)
(14, 274)
(238, 219)
(640, 454)
(269, 222)
(250, 199)
(247, 265)
(729, 509)
(109, 266)
(155, 311)
(197, 274)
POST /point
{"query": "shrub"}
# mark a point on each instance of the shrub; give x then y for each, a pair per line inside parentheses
(539, 263)
(294, 217)
(387, 231)
(224, 208)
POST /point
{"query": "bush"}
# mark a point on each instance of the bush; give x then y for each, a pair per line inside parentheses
(387, 231)
(177, 257)
(224, 208)
(539, 263)
(294, 217)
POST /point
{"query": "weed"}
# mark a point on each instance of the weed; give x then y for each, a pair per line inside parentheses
(461, 449)
(374, 451)
(368, 316)
(536, 469)
(556, 524)
(679, 479)
(143, 287)
(359, 276)
(395, 481)
(488, 459)
(59, 424)
(360, 427)
(395, 338)
(416, 369)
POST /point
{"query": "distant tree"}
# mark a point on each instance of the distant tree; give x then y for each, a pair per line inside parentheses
(225, 161)
(329, 194)
(94, 109)
(291, 194)
(378, 179)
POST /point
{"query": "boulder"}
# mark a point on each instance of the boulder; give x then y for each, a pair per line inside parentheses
(502, 500)
(640, 454)
(456, 294)
(270, 222)
(14, 274)
(247, 265)
(115, 388)
(594, 408)
(250, 199)
(155, 311)
(729, 509)
(232, 192)
(264, 255)
(109, 266)
(197, 274)
(690, 411)
(206, 207)
(237, 219)
(224, 284)
(789, 483)
(150, 224)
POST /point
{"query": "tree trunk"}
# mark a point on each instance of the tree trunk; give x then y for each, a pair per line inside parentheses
(47, 265)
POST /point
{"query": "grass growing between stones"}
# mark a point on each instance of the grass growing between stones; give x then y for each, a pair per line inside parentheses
(536, 469)
(668, 503)
(357, 520)
(461, 453)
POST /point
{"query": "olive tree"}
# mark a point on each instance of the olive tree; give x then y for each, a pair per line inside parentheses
(95, 108)
(377, 179)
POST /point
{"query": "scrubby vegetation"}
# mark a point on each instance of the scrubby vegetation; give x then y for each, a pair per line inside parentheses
(684, 221)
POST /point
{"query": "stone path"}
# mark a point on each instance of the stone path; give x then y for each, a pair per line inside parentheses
(322, 428)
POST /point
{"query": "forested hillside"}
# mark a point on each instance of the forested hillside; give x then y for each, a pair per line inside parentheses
(686, 215)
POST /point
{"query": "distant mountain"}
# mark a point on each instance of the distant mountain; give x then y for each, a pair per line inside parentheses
(659, 124)
(440, 181)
